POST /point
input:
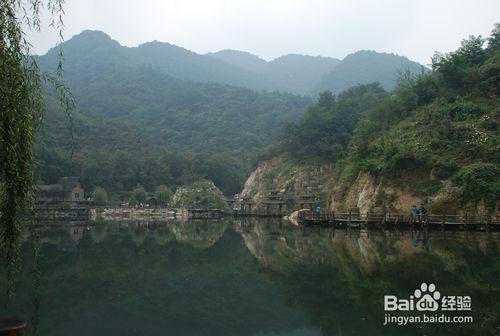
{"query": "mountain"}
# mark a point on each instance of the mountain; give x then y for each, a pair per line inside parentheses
(167, 115)
(242, 59)
(364, 67)
(215, 127)
(187, 65)
(187, 115)
(292, 73)
(166, 58)
(300, 73)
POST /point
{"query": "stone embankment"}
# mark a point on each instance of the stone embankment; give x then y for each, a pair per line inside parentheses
(116, 214)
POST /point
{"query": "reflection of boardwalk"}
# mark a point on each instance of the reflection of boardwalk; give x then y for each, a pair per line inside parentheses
(354, 220)
(262, 234)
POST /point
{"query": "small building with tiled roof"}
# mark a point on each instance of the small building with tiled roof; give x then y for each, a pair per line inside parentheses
(67, 190)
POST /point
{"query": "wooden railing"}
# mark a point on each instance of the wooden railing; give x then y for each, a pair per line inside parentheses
(398, 218)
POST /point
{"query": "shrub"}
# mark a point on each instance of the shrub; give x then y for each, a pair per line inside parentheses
(480, 181)
(99, 196)
(201, 194)
(138, 195)
(163, 194)
(444, 169)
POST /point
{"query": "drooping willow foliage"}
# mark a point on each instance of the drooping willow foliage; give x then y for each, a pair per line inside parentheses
(21, 107)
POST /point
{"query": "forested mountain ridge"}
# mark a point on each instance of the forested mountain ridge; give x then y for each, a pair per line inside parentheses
(434, 139)
(242, 59)
(294, 73)
(119, 156)
(173, 130)
(178, 114)
(167, 58)
(302, 74)
(366, 66)
(183, 129)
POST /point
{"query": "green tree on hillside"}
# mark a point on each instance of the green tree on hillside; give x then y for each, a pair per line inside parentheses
(324, 131)
(100, 196)
(139, 195)
(163, 194)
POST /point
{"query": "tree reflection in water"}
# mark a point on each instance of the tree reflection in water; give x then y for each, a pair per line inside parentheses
(250, 277)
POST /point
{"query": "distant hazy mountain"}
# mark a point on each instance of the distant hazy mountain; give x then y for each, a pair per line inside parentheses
(294, 73)
(297, 74)
(167, 58)
(242, 59)
(364, 67)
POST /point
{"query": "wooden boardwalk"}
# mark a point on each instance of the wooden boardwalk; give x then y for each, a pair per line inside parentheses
(258, 213)
(338, 220)
(78, 211)
(206, 213)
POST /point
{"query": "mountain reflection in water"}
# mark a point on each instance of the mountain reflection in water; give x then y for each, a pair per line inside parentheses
(249, 277)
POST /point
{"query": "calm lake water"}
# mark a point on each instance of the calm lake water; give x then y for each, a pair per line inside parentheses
(251, 277)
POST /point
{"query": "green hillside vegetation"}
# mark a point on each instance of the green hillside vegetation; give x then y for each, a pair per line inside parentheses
(186, 115)
(323, 133)
(443, 125)
(200, 194)
(118, 156)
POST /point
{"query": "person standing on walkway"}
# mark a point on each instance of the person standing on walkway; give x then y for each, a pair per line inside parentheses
(414, 212)
(424, 213)
(318, 210)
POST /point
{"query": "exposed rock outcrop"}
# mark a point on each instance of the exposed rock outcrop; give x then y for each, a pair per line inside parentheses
(365, 193)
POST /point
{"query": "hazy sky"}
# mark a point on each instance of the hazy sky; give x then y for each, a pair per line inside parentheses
(270, 28)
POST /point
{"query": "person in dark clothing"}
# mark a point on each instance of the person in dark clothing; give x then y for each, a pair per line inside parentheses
(414, 212)
(424, 213)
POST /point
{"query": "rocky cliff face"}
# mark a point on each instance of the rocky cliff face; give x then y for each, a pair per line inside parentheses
(365, 193)
(292, 181)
